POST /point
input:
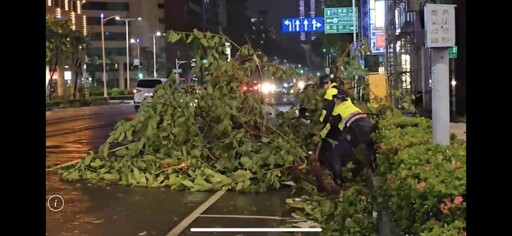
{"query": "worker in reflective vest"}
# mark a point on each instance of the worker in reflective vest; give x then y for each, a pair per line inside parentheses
(331, 89)
(349, 127)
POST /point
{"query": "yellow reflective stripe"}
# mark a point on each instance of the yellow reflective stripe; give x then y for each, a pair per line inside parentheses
(325, 130)
(323, 115)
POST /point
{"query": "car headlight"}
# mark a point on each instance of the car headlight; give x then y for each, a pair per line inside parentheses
(268, 88)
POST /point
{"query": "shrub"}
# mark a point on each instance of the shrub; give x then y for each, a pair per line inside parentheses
(425, 184)
(117, 92)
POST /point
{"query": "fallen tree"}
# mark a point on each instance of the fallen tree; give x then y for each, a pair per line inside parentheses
(217, 138)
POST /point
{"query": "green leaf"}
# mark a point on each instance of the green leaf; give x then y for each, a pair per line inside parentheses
(72, 175)
(245, 161)
(190, 38)
(204, 42)
(136, 173)
(87, 159)
(113, 176)
(187, 183)
(96, 163)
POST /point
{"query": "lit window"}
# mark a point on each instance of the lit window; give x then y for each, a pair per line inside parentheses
(57, 13)
(84, 23)
(66, 5)
(49, 2)
(73, 21)
(78, 7)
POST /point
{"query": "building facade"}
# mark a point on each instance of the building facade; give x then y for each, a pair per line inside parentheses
(227, 16)
(68, 9)
(151, 13)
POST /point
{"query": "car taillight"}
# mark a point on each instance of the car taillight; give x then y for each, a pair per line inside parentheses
(245, 88)
(137, 91)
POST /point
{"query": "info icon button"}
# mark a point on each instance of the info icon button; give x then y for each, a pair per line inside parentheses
(55, 203)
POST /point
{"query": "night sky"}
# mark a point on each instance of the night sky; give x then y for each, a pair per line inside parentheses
(277, 9)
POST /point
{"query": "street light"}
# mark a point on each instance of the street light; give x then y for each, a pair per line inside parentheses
(157, 34)
(178, 63)
(103, 52)
(127, 20)
(138, 53)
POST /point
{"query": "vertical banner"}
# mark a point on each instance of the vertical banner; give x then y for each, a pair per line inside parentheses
(365, 20)
(377, 33)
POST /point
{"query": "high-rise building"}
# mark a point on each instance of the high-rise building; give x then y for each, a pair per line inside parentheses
(68, 9)
(227, 16)
(262, 35)
(307, 8)
(151, 13)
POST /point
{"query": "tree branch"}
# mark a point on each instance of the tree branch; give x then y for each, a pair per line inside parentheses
(220, 35)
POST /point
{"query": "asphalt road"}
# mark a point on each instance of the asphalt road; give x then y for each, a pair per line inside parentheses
(81, 208)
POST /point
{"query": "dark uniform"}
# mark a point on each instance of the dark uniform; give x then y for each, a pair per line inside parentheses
(350, 128)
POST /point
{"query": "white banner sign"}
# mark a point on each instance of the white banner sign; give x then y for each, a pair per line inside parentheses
(439, 25)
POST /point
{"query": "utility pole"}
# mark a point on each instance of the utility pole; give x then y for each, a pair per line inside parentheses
(203, 8)
(440, 36)
(177, 70)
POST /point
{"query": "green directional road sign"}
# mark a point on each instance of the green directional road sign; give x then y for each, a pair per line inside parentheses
(452, 52)
(340, 20)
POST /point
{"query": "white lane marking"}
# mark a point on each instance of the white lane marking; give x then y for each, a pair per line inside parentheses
(190, 218)
(247, 216)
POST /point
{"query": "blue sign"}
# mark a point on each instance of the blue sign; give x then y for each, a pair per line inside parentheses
(299, 25)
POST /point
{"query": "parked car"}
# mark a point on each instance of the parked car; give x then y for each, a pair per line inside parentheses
(144, 90)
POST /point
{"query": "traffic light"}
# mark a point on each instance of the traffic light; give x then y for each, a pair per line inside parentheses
(204, 61)
(324, 50)
(139, 75)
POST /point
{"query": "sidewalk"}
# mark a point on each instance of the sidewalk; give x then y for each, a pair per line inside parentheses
(458, 129)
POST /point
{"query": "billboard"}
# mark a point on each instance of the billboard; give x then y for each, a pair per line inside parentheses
(377, 33)
(373, 21)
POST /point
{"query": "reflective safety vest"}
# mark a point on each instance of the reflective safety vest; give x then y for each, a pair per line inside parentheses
(331, 91)
(348, 111)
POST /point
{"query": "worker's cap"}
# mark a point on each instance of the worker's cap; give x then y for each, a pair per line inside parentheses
(342, 94)
(324, 79)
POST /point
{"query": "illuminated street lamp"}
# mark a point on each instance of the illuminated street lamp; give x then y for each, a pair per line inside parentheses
(136, 41)
(103, 52)
(127, 20)
(157, 34)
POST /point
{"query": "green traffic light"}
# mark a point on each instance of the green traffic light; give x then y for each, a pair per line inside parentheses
(324, 50)
(204, 61)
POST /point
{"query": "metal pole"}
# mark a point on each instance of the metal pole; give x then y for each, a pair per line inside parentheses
(453, 84)
(354, 11)
(103, 54)
(154, 56)
(177, 74)
(127, 57)
(204, 14)
(138, 57)
(440, 96)
(354, 38)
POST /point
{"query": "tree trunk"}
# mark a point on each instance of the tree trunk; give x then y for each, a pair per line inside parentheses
(61, 82)
(324, 183)
(77, 66)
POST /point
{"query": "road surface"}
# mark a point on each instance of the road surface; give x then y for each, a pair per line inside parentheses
(92, 209)
(81, 208)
